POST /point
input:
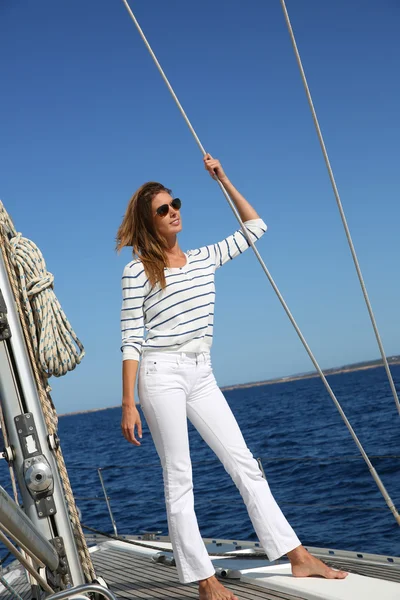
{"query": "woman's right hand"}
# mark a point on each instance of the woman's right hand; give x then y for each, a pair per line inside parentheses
(130, 420)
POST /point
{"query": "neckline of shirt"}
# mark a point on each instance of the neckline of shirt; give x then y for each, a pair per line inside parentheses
(177, 269)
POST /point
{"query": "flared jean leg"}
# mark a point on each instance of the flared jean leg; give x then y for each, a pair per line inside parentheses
(210, 413)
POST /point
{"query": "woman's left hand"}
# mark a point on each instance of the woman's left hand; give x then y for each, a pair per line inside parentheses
(214, 167)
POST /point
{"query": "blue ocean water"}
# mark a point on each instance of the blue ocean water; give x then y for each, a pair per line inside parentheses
(331, 503)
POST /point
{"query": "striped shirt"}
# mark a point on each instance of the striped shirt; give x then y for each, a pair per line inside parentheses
(178, 318)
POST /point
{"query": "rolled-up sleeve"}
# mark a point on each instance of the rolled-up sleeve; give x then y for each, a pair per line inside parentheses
(132, 318)
(237, 243)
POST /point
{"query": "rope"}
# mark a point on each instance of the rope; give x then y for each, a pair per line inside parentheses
(373, 472)
(10, 589)
(29, 282)
(340, 207)
(52, 336)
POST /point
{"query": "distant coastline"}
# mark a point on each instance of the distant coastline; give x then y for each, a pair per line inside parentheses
(362, 366)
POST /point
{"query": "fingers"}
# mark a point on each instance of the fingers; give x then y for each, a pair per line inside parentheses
(134, 441)
(212, 165)
(208, 159)
(138, 425)
(129, 435)
(128, 431)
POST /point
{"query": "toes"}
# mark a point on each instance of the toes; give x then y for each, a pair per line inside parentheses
(332, 574)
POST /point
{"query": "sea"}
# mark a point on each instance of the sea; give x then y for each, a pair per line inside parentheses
(312, 464)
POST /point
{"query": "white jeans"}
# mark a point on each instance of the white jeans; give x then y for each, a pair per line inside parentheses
(172, 388)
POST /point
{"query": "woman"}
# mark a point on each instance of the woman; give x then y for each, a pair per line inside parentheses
(171, 294)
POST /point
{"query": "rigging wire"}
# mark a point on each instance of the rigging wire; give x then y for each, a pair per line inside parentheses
(340, 206)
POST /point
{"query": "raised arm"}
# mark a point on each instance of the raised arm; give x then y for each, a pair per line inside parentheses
(236, 243)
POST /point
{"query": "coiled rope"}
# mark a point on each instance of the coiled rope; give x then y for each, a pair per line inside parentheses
(372, 470)
(53, 339)
(49, 338)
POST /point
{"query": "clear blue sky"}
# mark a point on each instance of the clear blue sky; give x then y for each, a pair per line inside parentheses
(85, 119)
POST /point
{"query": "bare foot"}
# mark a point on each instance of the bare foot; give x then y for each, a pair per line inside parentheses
(306, 565)
(212, 589)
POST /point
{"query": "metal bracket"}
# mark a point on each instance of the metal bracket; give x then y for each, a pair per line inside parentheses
(5, 332)
(37, 471)
(9, 454)
(62, 578)
(54, 442)
(165, 558)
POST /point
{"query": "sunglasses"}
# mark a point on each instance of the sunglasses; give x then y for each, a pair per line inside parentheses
(163, 210)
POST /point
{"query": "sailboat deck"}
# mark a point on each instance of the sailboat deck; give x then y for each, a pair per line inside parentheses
(131, 576)
(134, 577)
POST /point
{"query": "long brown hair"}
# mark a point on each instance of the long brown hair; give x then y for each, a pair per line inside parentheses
(137, 230)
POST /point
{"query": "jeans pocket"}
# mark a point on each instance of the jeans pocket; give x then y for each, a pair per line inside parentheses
(160, 367)
(151, 367)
